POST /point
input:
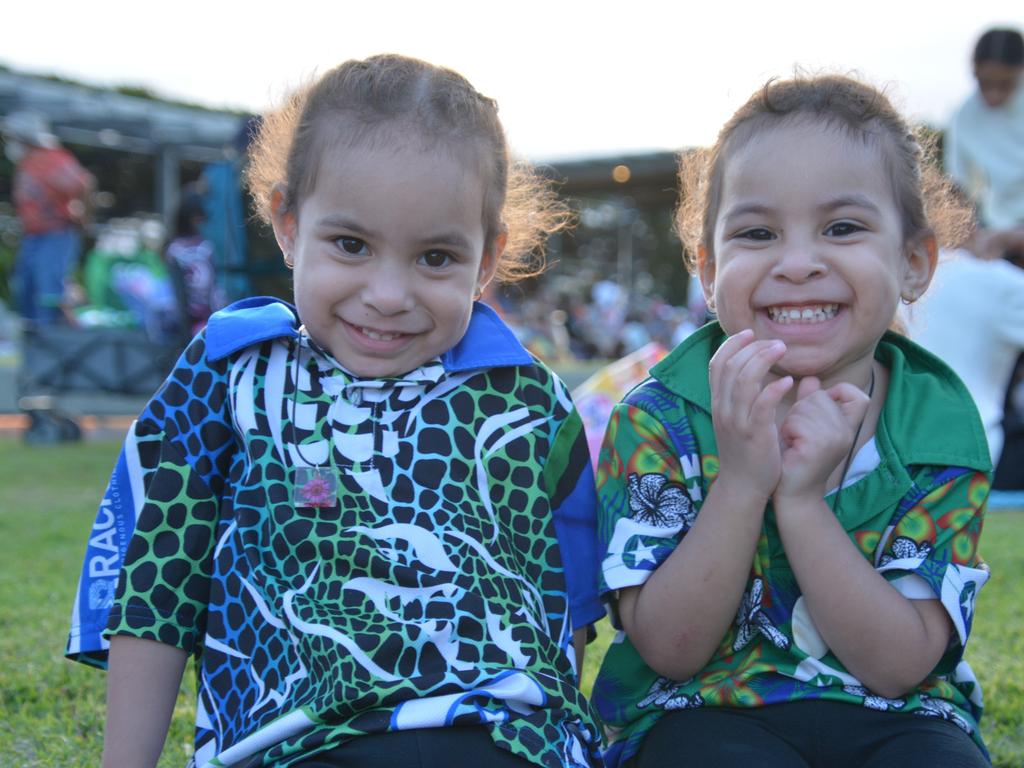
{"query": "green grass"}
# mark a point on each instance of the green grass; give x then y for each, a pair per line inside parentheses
(51, 711)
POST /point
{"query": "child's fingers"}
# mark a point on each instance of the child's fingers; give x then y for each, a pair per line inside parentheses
(729, 348)
(853, 402)
(741, 378)
(723, 364)
(763, 409)
(813, 416)
(735, 354)
(808, 386)
(751, 367)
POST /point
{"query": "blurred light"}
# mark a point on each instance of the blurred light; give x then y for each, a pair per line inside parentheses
(621, 173)
(109, 137)
(104, 199)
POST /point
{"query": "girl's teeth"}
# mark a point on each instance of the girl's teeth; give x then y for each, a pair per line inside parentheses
(803, 315)
(377, 336)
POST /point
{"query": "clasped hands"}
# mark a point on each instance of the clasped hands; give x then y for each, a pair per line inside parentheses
(791, 457)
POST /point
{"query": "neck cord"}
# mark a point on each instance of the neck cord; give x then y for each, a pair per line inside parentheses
(295, 405)
(312, 486)
(853, 445)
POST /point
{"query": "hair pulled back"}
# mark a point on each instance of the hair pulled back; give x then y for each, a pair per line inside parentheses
(396, 100)
(1000, 45)
(926, 201)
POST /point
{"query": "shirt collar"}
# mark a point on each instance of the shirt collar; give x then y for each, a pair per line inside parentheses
(248, 322)
(487, 343)
(429, 373)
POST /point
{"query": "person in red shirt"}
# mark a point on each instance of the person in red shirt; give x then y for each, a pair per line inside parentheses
(52, 193)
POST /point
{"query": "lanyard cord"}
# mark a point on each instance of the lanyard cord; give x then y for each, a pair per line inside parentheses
(313, 485)
(295, 406)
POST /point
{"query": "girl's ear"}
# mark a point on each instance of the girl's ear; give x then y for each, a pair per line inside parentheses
(489, 262)
(706, 272)
(922, 256)
(283, 221)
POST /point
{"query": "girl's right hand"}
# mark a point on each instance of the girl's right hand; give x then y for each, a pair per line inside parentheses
(743, 412)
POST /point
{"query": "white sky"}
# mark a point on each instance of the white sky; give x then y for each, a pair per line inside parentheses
(572, 78)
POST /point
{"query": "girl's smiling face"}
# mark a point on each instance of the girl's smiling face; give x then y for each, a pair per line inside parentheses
(389, 254)
(809, 248)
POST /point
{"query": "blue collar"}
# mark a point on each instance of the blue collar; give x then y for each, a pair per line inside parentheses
(488, 342)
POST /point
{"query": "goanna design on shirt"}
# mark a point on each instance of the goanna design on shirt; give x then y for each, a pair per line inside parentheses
(431, 594)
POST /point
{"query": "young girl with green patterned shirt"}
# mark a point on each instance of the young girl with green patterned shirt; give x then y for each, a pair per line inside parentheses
(791, 504)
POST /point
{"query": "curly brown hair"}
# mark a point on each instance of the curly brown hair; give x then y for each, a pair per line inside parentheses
(927, 201)
(391, 98)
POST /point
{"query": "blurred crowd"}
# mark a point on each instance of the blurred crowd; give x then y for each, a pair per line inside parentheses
(161, 276)
(599, 320)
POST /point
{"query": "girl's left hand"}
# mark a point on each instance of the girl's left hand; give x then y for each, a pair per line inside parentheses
(817, 435)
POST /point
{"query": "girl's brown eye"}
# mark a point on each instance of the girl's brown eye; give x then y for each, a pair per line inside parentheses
(351, 245)
(436, 259)
(841, 228)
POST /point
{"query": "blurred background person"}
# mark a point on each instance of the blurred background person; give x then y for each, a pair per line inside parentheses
(52, 193)
(984, 145)
(190, 259)
(973, 318)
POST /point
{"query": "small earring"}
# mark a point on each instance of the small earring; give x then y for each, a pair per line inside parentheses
(288, 261)
(908, 299)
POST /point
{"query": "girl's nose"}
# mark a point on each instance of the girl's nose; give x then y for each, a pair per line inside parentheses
(389, 289)
(799, 262)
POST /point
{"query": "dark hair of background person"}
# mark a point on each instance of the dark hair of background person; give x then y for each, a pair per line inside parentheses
(1001, 45)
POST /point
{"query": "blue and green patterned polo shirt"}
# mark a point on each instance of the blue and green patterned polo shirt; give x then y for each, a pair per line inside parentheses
(347, 556)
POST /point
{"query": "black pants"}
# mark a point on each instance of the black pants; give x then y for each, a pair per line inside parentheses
(454, 747)
(805, 734)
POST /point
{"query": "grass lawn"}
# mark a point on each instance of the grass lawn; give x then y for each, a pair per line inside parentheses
(51, 711)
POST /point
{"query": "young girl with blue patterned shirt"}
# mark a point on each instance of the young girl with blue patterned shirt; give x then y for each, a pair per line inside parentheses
(368, 518)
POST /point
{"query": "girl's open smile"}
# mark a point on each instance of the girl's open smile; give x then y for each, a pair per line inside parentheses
(808, 314)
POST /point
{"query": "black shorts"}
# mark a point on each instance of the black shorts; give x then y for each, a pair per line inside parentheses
(452, 747)
(805, 734)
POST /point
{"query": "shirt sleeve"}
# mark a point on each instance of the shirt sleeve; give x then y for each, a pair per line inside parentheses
(146, 556)
(570, 476)
(179, 449)
(936, 541)
(164, 585)
(108, 542)
(645, 503)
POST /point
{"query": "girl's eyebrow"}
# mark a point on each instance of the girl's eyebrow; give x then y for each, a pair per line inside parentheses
(853, 200)
(850, 201)
(333, 221)
(451, 239)
(741, 209)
